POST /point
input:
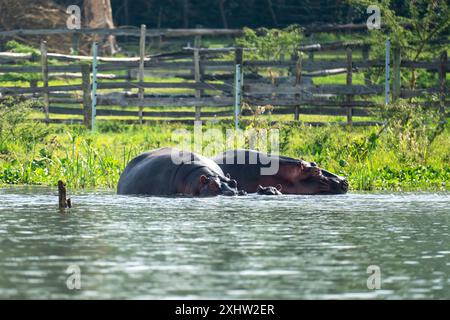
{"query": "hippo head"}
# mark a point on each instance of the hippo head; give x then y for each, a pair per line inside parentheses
(269, 191)
(330, 182)
(307, 178)
(323, 181)
(214, 185)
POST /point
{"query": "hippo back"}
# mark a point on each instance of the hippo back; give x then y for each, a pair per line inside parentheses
(155, 173)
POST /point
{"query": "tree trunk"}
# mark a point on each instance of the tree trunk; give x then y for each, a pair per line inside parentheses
(98, 14)
(222, 14)
(272, 13)
(185, 13)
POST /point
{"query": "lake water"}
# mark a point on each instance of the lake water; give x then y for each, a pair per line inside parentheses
(255, 247)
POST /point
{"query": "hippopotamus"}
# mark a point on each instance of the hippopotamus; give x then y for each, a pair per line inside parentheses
(296, 176)
(171, 172)
(269, 191)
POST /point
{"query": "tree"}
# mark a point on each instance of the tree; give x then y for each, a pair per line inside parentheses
(98, 14)
(414, 31)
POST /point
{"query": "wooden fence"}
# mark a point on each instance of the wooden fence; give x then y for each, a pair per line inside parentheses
(206, 81)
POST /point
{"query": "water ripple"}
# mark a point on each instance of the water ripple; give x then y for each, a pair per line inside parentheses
(224, 248)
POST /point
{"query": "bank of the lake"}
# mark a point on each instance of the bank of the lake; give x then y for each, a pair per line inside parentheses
(373, 158)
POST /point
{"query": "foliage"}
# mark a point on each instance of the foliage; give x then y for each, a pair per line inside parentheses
(412, 130)
(270, 44)
(14, 124)
(414, 30)
(409, 153)
(16, 47)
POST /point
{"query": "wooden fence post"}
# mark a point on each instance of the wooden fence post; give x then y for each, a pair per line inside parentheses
(94, 84)
(365, 56)
(44, 64)
(298, 80)
(198, 38)
(158, 26)
(311, 53)
(33, 83)
(442, 79)
(239, 79)
(387, 71)
(349, 83)
(239, 58)
(75, 43)
(197, 73)
(197, 77)
(141, 72)
(396, 74)
(87, 103)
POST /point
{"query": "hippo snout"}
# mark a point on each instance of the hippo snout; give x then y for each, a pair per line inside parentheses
(344, 185)
(338, 185)
(229, 193)
(229, 189)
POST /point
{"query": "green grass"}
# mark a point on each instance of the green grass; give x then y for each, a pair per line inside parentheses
(399, 159)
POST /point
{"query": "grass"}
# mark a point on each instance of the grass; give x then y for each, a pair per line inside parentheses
(400, 158)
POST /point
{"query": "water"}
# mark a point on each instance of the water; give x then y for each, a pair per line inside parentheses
(255, 247)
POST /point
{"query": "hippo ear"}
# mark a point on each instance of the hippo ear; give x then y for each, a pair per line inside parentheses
(279, 187)
(259, 188)
(203, 179)
(228, 175)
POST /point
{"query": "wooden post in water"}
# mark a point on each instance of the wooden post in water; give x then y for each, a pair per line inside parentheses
(442, 80)
(349, 83)
(396, 85)
(86, 86)
(64, 202)
(44, 64)
(141, 72)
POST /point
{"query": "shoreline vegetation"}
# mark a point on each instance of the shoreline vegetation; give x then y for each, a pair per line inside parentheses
(410, 153)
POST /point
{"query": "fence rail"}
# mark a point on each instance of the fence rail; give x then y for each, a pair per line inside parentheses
(206, 79)
(125, 31)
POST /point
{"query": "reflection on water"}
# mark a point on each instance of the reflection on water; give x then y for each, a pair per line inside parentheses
(291, 247)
